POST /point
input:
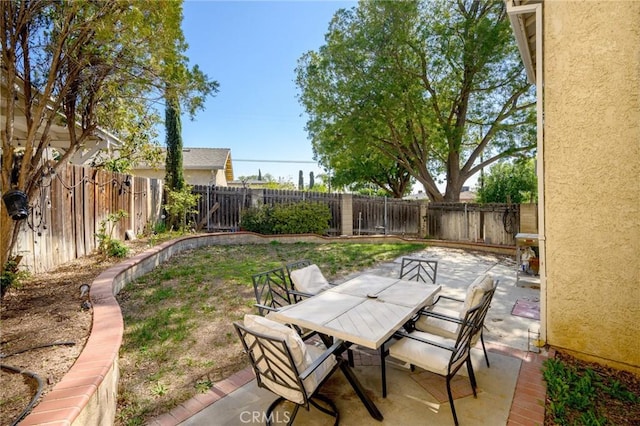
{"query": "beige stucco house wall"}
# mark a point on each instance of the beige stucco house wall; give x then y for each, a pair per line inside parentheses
(587, 76)
(191, 176)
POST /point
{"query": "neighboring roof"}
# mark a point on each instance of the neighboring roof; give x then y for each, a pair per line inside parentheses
(522, 14)
(208, 159)
(202, 159)
(468, 196)
(251, 183)
(205, 158)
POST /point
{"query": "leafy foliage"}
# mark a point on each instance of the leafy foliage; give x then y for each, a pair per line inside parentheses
(11, 275)
(371, 173)
(515, 182)
(297, 218)
(180, 204)
(174, 178)
(422, 87)
(574, 394)
(107, 245)
(89, 64)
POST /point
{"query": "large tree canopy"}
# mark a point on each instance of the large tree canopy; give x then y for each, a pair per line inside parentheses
(362, 169)
(87, 63)
(510, 182)
(430, 85)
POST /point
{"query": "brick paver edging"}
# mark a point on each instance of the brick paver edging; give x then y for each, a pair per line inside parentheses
(87, 394)
(527, 407)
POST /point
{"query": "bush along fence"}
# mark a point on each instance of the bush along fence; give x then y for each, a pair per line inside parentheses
(221, 209)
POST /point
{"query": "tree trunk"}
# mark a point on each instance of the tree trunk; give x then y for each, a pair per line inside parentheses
(452, 191)
(8, 235)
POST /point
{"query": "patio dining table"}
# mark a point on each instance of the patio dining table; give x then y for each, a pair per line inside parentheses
(365, 310)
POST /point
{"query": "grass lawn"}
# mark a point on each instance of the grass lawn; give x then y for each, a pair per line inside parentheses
(179, 338)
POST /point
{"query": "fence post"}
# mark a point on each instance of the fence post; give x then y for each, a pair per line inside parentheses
(346, 219)
(256, 196)
(424, 218)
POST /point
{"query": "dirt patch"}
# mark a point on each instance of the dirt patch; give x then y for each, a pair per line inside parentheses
(45, 328)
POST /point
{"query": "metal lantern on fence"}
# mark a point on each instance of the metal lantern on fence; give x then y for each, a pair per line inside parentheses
(17, 204)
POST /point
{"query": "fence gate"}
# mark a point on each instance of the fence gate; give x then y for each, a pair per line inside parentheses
(389, 216)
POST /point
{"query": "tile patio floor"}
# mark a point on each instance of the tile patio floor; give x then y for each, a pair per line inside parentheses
(511, 392)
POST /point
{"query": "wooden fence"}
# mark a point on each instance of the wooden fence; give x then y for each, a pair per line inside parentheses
(70, 207)
(488, 223)
(225, 205)
(378, 215)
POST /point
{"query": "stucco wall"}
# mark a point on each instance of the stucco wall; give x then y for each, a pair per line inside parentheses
(205, 177)
(591, 178)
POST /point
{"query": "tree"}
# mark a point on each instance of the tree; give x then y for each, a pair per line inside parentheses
(300, 181)
(513, 182)
(174, 177)
(86, 63)
(369, 168)
(311, 180)
(429, 85)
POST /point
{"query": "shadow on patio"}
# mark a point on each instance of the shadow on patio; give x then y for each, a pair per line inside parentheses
(413, 397)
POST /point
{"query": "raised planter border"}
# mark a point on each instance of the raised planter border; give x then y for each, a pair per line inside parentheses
(87, 394)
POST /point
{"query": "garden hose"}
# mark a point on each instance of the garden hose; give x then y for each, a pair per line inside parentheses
(35, 398)
(37, 378)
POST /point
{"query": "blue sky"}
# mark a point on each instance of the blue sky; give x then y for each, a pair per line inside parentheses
(251, 48)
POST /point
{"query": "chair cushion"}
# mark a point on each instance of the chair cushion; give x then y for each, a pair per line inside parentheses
(309, 280)
(303, 356)
(296, 346)
(275, 329)
(424, 355)
(439, 326)
(318, 375)
(449, 329)
(444, 328)
(475, 291)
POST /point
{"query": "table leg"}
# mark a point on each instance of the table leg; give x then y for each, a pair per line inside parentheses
(355, 384)
(353, 380)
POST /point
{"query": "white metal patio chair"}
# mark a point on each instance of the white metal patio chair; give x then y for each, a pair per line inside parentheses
(287, 366)
(445, 322)
(439, 355)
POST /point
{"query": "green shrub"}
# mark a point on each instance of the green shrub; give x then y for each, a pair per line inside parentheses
(180, 204)
(115, 248)
(574, 394)
(107, 245)
(257, 219)
(11, 275)
(299, 218)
